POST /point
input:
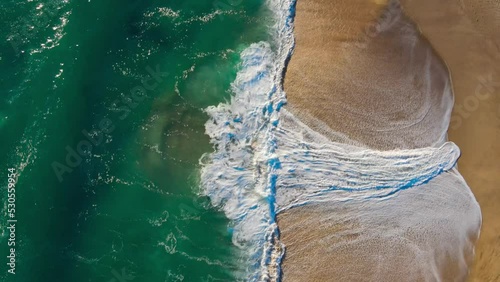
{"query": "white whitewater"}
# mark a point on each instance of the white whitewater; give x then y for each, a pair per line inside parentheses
(265, 161)
(237, 175)
(314, 169)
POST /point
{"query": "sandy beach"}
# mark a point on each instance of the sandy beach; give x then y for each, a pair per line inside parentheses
(395, 77)
(469, 42)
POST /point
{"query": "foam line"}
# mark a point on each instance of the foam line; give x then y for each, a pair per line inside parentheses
(266, 161)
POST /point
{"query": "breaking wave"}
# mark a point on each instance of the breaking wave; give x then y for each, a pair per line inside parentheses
(266, 161)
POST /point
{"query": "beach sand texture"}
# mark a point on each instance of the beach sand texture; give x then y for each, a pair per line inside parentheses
(371, 57)
(467, 36)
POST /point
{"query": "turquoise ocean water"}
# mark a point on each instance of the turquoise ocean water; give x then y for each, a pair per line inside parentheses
(147, 141)
(101, 116)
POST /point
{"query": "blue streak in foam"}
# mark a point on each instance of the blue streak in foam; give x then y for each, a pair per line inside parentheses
(291, 12)
(270, 108)
(414, 182)
(254, 80)
(274, 163)
(280, 105)
(272, 196)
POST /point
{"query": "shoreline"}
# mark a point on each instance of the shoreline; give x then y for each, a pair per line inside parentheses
(303, 102)
(372, 66)
(469, 43)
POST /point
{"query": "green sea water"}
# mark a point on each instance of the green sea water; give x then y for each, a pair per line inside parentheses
(101, 116)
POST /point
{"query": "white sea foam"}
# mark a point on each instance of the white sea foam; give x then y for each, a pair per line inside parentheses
(239, 176)
(266, 161)
(314, 169)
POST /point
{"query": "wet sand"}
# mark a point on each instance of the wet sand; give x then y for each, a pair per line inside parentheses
(339, 42)
(469, 42)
